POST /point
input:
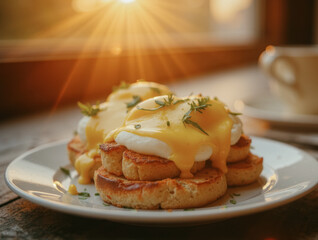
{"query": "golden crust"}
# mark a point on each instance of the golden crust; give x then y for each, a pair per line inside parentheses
(240, 150)
(245, 171)
(75, 148)
(137, 166)
(118, 160)
(207, 185)
(112, 155)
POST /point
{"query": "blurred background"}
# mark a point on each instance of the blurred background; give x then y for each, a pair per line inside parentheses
(54, 53)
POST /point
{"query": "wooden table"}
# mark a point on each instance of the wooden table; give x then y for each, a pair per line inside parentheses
(21, 219)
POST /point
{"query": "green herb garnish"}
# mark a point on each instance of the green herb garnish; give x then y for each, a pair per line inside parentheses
(189, 209)
(97, 194)
(106, 204)
(123, 85)
(235, 113)
(168, 123)
(84, 194)
(134, 102)
(137, 126)
(89, 110)
(233, 201)
(65, 171)
(166, 102)
(127, 207)
(202, 104)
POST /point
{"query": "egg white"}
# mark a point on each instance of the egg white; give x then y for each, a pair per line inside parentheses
(152, 146)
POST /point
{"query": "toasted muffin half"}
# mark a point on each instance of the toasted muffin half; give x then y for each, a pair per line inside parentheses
(119, 161)
(245, 171)
(206, 186)
(240, 150)
(75, 148)
(112, 155)
(138, 166)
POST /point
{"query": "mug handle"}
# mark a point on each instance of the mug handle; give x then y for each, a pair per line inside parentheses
(282, 68)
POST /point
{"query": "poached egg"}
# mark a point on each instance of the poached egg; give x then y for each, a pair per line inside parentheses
(182, 130)
(92, 130)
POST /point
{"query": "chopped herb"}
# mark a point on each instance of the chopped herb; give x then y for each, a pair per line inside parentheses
(127, 207)
(236, 194)
(82, 198)
(84, 194)
(89, 110)
(134, 102)
(216, 98)
(156, 90)
(106, 204)
(233, 201)
(75, 133)
(137, 126)
(166, 102)
(123, 85)
(235, 113)
(252, 147)
(65, 171)
(168, 123)
(97, 194)
(194, 124)
(189, 209)
(201, 105)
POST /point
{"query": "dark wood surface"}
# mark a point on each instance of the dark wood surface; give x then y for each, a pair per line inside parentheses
(21, 219)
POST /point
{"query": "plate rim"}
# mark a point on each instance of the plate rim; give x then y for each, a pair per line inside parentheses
(276, 117)
(131, 216)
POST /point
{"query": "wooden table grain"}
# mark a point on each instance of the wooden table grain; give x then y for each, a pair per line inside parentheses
(21, 219)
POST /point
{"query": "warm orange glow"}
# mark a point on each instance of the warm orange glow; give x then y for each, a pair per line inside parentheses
(118, 26)
(226, 10)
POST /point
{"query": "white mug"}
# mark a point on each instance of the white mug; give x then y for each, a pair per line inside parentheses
(294, 76)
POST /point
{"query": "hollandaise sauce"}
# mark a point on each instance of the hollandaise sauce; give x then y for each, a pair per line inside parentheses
(101, 124)
(184, 126)
(111, 116)
(72, 189)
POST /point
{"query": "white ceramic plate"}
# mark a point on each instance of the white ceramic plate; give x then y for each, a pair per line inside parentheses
(270, 108)
(288, 174)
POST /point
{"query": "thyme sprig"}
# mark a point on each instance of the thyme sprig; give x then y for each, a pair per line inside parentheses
(202, 104)
(166, 102)
(134, 102)
(88, 109)
(65, 171)
(234, 113)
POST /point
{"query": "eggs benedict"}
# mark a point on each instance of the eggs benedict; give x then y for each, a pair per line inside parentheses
(100, 119)
(171, 152)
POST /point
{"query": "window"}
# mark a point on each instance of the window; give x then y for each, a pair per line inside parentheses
(56, 52)
(68, 26)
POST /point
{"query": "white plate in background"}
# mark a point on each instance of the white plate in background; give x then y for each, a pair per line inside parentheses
(289, 173)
